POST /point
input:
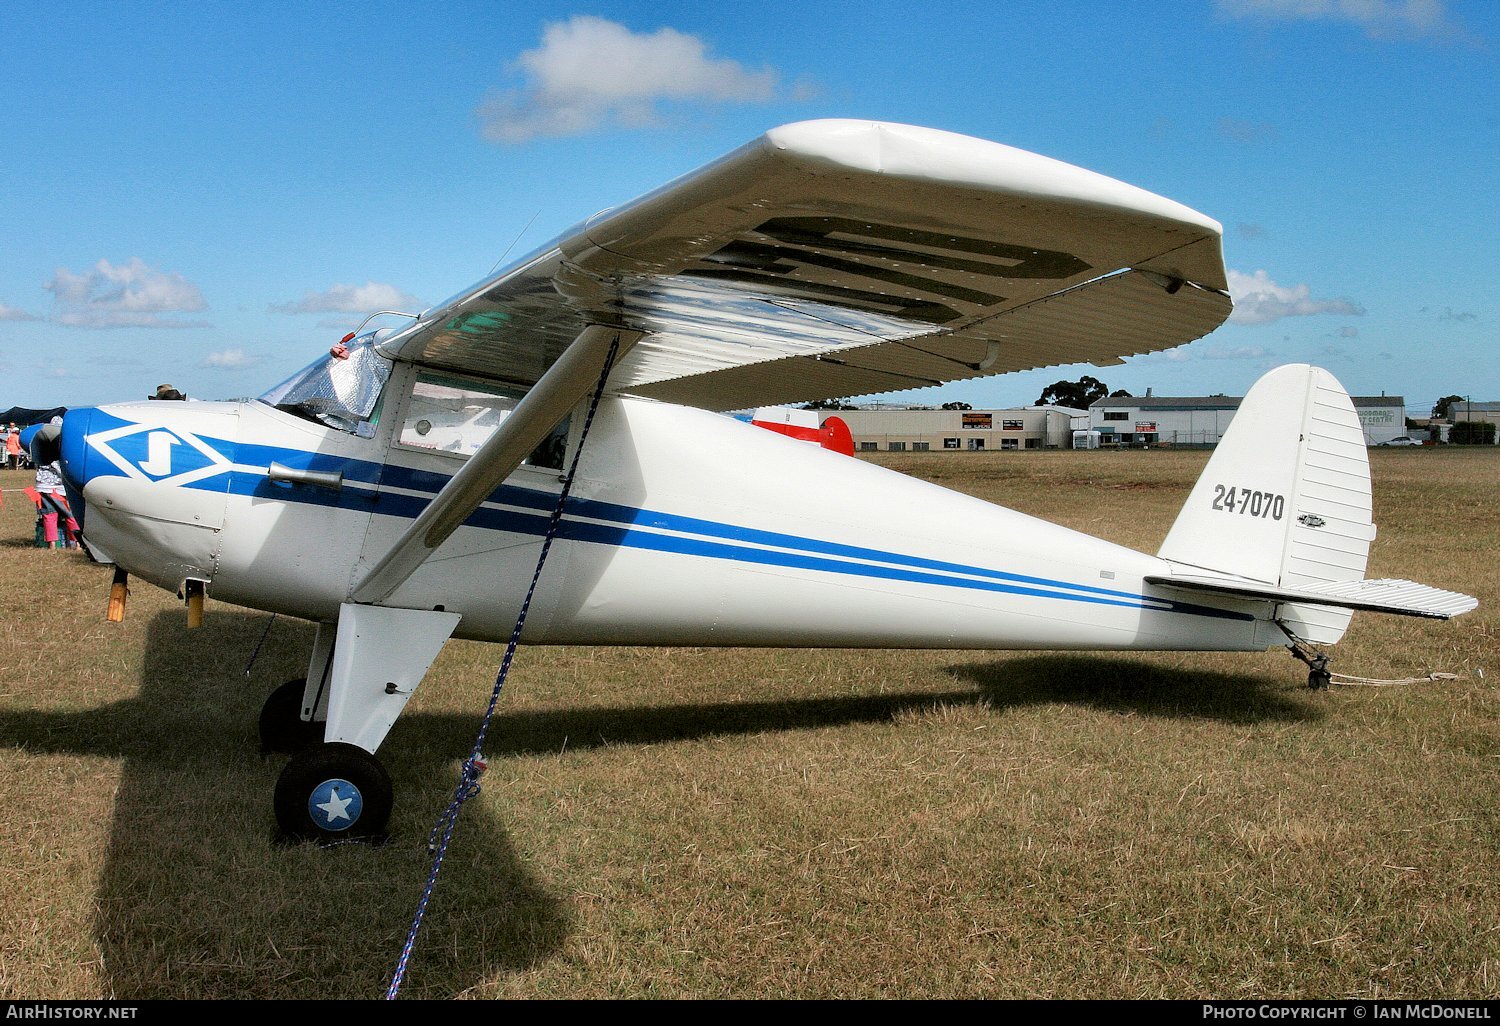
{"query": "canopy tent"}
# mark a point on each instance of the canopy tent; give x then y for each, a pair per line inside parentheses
(22, 417)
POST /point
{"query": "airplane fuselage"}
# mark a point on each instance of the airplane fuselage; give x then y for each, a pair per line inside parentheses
(683, 528)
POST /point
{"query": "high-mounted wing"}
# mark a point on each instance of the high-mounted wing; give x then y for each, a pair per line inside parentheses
(835, 258)
(824, 259)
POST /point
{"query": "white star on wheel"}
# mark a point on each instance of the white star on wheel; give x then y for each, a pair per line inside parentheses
(336, 807)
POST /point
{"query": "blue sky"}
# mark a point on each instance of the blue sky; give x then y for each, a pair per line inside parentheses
(210, 194)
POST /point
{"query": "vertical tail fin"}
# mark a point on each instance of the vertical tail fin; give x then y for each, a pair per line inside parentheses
(1285, 498)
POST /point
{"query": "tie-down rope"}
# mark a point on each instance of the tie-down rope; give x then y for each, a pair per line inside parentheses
(1344, 680)
(475, 765)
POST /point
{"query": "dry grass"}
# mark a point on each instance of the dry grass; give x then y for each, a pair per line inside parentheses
(759, 824)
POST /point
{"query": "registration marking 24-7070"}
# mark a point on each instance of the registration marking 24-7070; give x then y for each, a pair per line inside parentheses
(1249, 502)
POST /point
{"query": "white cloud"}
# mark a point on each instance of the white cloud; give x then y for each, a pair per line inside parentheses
(1258, 299)
(129, 295)
(590, 72)
(1380, 19)
(1179, 354)
(1235, 353)
(355, 299)
(230, 359)
(11, 313)
(1188, 353)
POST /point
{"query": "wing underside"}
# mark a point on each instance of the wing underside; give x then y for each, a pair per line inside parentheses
(847, 258)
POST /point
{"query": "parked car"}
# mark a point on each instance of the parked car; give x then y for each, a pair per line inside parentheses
(1403, 440)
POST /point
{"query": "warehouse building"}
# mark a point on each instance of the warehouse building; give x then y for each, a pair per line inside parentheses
(1200, 421)
(1483, 413)
(907, 429)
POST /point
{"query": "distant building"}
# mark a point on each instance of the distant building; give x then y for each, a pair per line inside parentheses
(1383, 417)
(1202, 420)
(889, 429)
(1162, 420)
(1481, 412)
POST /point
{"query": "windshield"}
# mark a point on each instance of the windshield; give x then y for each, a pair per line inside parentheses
(343, 394)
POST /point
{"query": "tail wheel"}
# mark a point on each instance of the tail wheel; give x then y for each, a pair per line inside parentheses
(282, 728)
(334, 792)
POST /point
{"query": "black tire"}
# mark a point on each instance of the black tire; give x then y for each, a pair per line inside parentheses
(282, 728)
(332, 793)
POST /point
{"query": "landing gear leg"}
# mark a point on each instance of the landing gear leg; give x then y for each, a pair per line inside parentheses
(282, 728)
(294, 715)
(338, 790)
(1318, 677)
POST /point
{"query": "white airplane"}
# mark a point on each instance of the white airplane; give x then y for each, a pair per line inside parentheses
(400, 496)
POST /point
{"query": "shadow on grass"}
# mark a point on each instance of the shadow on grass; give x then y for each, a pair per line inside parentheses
(1124, 683)
(193, 898)
(1103, 682)
(194, 901)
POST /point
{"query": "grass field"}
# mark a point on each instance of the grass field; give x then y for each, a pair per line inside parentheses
(702, 823)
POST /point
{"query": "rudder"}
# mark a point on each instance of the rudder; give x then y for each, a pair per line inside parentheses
(1285, 498)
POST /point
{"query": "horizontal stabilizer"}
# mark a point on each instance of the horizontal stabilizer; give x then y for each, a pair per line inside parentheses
(1405, 598)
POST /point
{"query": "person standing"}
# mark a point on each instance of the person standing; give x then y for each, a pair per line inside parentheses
(13, 446)
(59, 529)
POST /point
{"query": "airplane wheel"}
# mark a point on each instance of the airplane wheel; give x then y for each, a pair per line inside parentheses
(334, 792)
(282, 728)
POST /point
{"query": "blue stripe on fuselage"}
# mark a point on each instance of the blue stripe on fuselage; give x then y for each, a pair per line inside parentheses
(634, 527)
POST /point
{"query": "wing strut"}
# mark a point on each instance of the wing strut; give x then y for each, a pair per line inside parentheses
(549, 400)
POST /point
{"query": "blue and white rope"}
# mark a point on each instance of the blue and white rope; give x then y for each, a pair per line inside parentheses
(474, 765)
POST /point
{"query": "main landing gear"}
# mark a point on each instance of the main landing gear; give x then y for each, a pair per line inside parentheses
(366, 667)
(328, 792)
(334, 792)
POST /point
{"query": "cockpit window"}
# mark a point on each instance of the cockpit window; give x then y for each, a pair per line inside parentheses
(456, 415)
(343, 394)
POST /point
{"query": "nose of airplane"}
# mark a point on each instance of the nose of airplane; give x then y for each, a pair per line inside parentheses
(73, 455)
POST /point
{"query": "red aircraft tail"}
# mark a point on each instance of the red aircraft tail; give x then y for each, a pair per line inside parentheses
(832, 435)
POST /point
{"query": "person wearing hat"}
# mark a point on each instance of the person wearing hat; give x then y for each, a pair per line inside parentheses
(13, 446)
